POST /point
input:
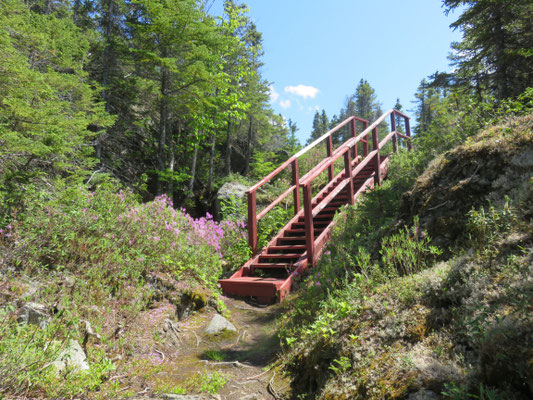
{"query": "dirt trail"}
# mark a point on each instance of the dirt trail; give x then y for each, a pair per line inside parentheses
(243, 359)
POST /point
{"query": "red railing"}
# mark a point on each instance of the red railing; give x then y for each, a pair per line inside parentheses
(348, 149)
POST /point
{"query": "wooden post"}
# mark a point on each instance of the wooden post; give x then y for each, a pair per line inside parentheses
(309, 228)
(252, 222)
(329, 148)
(375, 146)
(349, 175)
(393, 128)
(354, 134)
(365, 143)
(408, 133)
(296, 182)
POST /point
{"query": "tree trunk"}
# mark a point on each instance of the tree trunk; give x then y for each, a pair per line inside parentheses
(227, 170)
(172, 160)
(193, 170)
(249, 144)
(211, 164)
(76, 11)
(107, 63)
(163, 122)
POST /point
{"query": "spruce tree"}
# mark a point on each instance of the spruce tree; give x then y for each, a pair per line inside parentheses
(495, 56)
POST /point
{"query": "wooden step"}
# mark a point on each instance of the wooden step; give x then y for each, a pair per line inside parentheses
(263, 289)
(292, 247)
(321, 216)
(291, 240)
(285, 267)
(300, 225)
(301, 231)
(293, 256)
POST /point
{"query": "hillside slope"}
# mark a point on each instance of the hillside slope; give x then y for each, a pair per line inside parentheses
(394, 324)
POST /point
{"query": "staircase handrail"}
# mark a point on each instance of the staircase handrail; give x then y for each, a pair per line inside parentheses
(253, 217)
(349, 149)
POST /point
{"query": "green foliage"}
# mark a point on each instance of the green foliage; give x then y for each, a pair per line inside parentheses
(408, 251)
(207, 383)
(454, 392)
(27, 353)
(487, 227)
(49, 108)
(271, 223)
(214, 355)
(236, 250)
(494, 55)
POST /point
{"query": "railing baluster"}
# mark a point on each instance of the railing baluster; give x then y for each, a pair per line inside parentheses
(393, 128)
(296, 182)
(309, 229)
(408, 133)
(348, 167)
(354, 134)
(329, 149)
(365, 143)
(252, 221)
(375, 146)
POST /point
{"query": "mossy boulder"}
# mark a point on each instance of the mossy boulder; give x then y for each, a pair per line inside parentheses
(494, 165)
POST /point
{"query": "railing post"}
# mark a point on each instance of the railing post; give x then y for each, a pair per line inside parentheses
(296, 183)
(309, 229)
(393, 128)
(349, 175)
(329, 149)
(365, 143)
(353, 127)
(408, 133)
(252, 221)
(375, 146)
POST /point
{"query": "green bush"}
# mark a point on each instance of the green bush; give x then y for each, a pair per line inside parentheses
(408, 251)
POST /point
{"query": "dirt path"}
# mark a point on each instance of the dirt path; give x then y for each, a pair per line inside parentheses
(187, 354)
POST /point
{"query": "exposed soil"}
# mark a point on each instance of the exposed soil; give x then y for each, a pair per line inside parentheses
(183, 352)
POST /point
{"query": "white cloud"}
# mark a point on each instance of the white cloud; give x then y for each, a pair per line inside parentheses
(285, 103)
(273, 94)
(302, 91)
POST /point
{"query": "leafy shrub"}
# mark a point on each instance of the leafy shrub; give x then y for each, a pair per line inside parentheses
(408, 251)
(79, 229)
(26, 354)
(486, 227)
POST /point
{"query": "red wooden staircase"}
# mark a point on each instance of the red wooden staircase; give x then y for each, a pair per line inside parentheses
(268, 275)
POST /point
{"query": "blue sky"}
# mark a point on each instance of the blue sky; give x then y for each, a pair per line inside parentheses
(316, 51)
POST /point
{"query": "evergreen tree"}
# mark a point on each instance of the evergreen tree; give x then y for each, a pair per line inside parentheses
(48, 107)
(320, 125)
(495, 55)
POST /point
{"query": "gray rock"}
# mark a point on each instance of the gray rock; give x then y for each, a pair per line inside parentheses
(32, 287)
(219, 324)
(226, 192)
(423, 394)
(34, 313)
(72, 356)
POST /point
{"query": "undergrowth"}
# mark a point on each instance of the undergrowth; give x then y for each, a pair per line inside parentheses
(98, 257)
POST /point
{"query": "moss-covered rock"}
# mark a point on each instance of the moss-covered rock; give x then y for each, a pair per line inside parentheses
(494, 165)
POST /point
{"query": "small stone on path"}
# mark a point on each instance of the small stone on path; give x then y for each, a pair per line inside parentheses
(219, 324)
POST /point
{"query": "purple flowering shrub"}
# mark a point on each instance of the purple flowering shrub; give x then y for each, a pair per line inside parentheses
(124, 239)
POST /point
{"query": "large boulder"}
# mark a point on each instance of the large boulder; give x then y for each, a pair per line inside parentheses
(491, 167)
(227, 192)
